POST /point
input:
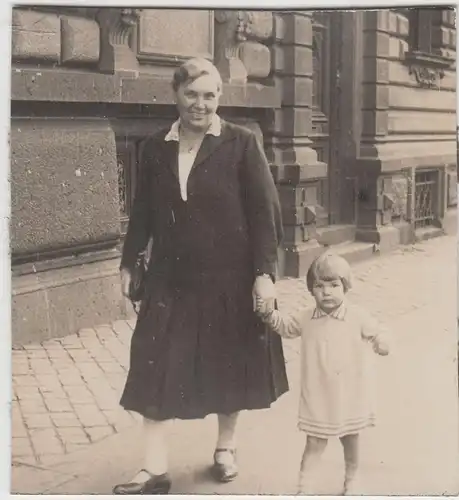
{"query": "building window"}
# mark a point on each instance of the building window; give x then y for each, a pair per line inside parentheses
(431, 30)
(421, 22)
(431, 43)
(426, 198)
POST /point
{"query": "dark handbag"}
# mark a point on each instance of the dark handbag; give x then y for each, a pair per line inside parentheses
(139, 276)
(137, 285)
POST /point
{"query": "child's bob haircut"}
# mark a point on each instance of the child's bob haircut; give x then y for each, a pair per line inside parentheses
(328, 267)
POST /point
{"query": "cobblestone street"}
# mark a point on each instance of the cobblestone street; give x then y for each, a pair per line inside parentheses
(69, 434)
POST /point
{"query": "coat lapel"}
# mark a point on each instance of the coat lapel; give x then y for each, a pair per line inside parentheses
(209, 144)
(171, 154)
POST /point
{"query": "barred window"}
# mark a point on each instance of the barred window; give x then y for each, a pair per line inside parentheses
(128, 163)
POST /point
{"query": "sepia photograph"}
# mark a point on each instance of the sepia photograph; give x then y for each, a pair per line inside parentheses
(233, 244)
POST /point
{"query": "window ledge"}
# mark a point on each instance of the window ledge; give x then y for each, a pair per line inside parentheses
(427, 68)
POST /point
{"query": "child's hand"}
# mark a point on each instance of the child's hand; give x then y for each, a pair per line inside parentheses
(381, 348)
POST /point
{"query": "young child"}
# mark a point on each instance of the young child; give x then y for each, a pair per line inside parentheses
(336, 380)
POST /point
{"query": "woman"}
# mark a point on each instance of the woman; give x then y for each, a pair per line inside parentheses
(207, 198)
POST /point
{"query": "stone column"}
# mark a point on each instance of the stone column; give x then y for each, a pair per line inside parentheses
(294, 162)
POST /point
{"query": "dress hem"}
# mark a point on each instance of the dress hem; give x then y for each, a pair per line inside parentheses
(199, 416)
(310, 431)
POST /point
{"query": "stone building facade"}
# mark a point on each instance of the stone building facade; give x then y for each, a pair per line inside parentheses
(356, 111)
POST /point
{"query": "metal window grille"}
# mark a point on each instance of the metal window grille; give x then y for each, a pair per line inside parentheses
(126, 159)
(122, 186)
(425, 198)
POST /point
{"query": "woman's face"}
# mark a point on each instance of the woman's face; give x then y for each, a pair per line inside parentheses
(197, 102)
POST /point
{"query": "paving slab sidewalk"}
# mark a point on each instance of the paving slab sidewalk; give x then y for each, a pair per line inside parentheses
(71, 437)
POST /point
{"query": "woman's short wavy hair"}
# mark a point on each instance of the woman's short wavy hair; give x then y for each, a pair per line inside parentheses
(192, 69)
(329, 267)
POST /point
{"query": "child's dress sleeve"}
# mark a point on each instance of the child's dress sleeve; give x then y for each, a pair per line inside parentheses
(373, 330)
(288, 326)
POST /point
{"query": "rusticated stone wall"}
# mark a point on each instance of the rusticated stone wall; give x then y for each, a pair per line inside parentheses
(409, 124)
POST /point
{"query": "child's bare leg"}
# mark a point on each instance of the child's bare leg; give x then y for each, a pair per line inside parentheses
(313, 451)
(351, 447)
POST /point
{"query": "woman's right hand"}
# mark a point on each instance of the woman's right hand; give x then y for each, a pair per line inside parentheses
(125, 282)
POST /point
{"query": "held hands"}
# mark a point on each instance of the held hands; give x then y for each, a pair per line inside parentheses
(264, 296)
(263, 291)
(263, 308)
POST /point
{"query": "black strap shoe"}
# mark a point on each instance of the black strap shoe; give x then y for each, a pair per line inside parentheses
(156, 485)
(225, 472)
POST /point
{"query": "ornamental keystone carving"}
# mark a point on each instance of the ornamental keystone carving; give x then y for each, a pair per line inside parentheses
(116, 30)
(238, 51)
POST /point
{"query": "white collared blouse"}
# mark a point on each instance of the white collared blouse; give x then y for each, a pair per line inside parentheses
(186, 159)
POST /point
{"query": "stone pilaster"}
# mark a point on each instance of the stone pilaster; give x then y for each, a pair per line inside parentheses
(294, 161)
(376, 199)
(444, 33)
(64, 226)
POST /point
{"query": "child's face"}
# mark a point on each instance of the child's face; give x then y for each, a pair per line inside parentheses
(329, 294)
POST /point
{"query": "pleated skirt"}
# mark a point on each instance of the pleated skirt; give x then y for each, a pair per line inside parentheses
(198, 348)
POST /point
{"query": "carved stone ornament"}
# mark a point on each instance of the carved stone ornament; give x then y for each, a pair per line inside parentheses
(427, 77)
(254, 25)
(129, 17)
(229, 31)
(310, 214)
(399, 197)
(428, 69)
(244, 20)
(239, 49)
(388, 201)
(117, 26)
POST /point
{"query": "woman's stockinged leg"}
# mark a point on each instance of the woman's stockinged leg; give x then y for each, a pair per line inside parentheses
(312, 454)
(225, 466)
(156, 446)
(227, 431)
(351, 448)
(155, 449)
(153, 478)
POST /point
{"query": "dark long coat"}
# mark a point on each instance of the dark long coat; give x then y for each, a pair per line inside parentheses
(198, 348)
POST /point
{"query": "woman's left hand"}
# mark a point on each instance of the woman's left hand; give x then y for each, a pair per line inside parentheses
(264, 289)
